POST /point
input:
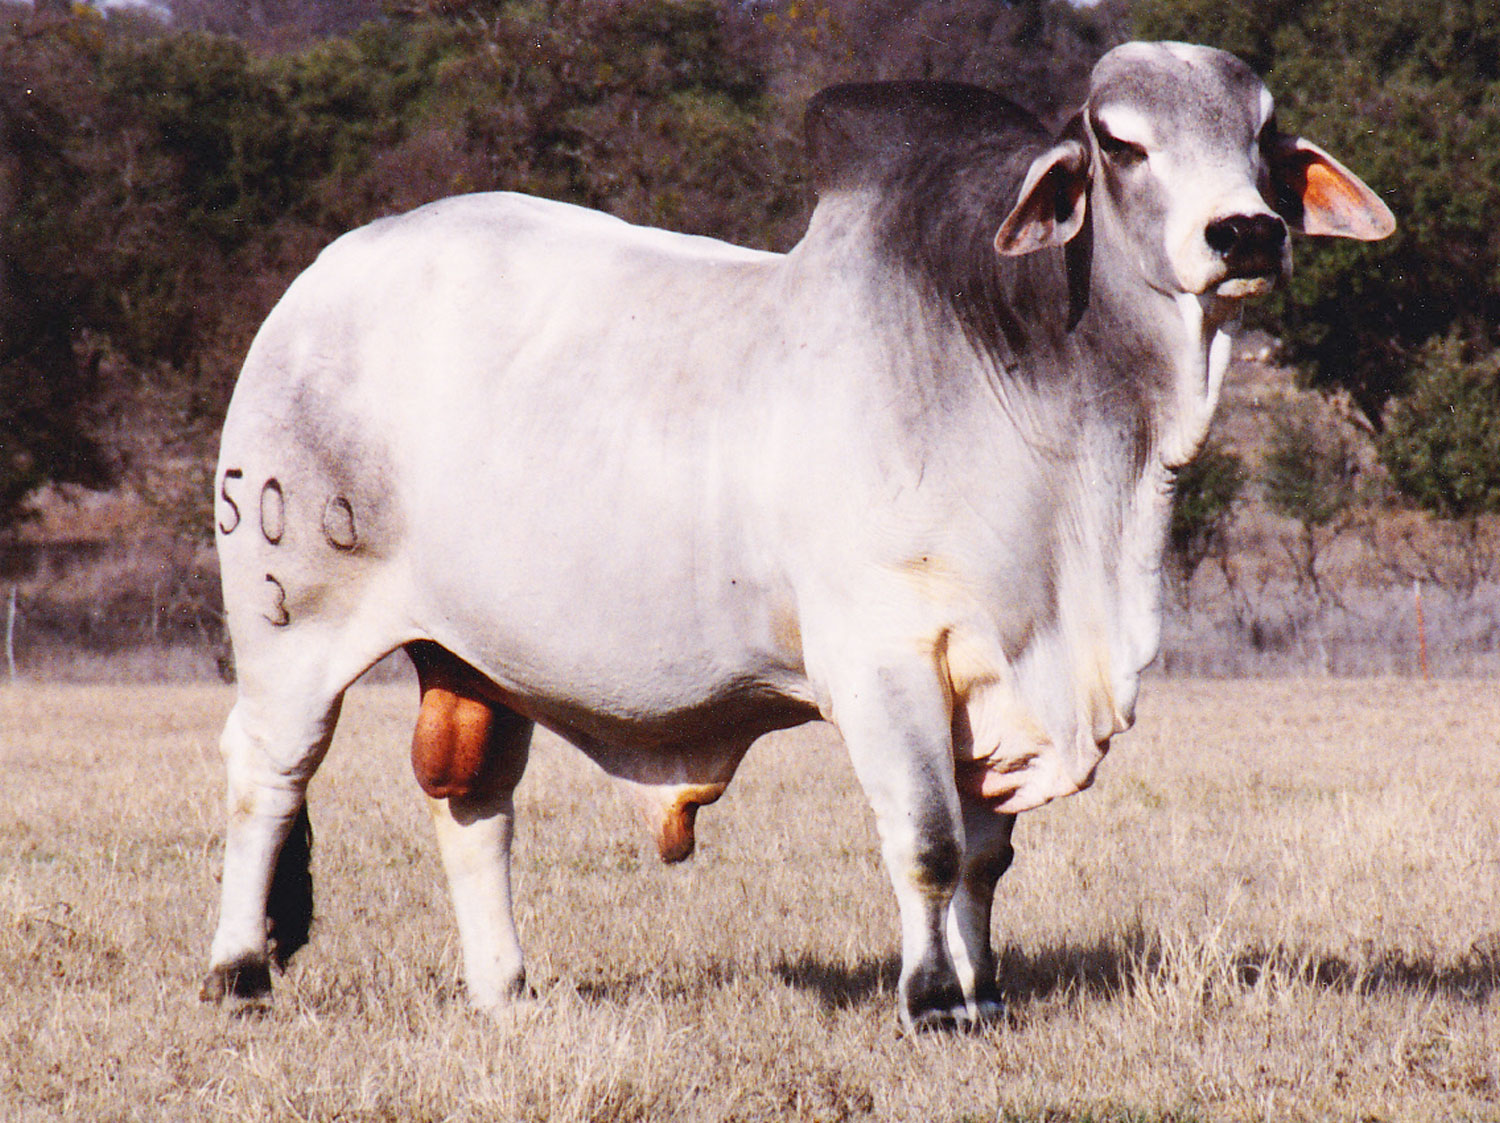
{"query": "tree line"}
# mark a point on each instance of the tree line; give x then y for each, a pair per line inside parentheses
(160, 184)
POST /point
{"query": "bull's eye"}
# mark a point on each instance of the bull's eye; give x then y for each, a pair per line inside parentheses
(1121, 153)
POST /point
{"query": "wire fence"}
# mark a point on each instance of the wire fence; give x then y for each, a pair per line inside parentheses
(141, 612)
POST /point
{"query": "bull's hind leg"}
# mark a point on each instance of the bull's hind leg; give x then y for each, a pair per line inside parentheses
(987, 855)
(272, 744)
(469, 752)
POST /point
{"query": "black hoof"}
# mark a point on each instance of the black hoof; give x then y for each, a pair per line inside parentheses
(961, 1019)
(932, 1001)
(989, 1004)
(936, 1021)
(245, 979)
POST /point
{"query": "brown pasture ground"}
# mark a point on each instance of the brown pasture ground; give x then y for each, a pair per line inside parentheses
(1280, 901)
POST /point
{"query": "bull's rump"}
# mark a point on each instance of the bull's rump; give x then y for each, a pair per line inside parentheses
(534, 434)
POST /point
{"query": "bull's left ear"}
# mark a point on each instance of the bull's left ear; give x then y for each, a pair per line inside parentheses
(1318, 195)
(1053, 199)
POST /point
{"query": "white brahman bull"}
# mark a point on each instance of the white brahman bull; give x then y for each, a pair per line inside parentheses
(662, 494)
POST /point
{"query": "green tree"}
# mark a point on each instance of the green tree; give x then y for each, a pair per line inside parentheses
(640, 109)
(49, 387)
(1309, 473)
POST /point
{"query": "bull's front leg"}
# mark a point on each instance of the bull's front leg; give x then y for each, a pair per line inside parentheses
(896, 724)
(987, 855)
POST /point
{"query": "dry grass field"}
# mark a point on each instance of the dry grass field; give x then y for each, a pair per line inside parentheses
(1281, 901)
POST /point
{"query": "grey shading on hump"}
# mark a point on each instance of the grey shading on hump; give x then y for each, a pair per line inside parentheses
(943, 163)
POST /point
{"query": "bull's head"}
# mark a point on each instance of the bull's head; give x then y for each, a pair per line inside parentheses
(1178, 150)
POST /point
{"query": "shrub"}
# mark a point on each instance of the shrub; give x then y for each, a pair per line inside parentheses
(1208, 487)
(1310, 472)
(1311, 475)
(1441, 442)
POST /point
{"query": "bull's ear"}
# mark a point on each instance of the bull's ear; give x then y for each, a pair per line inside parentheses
(1053, 199)
(1318, 195)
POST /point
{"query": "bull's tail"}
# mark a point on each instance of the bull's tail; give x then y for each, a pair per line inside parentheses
(289, 906)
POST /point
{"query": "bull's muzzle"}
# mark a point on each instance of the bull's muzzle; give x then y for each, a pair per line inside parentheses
(1253, 248)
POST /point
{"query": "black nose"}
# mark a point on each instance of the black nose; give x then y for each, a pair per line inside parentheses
(1247, 237)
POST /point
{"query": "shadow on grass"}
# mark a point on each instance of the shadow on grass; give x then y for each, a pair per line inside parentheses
(837, 986)
(1103, 969)
(840, 986)
(683, 980)
(1473, 979)
(1112, 966)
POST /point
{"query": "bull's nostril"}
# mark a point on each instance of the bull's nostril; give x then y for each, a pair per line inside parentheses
(1268, 231)
(1223, 235)
(1246, 234)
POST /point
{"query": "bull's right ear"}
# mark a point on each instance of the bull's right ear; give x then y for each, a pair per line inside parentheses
(1318, 195)
(1053, 199)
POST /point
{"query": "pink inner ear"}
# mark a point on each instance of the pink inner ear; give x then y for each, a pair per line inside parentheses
(1327, 192)
(1035, 222)
(1335, 202)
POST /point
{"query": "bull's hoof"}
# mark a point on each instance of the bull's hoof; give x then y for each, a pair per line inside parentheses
(986, 1007)
(986, 1011)
(518, 1013)
(246, 980)
(501, 996)
(932, 1001)
(968, 1018)
(936, 1021)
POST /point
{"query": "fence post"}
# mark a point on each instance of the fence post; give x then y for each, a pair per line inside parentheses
(1416, 588)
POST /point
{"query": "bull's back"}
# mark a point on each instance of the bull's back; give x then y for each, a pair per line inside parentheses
(494, 412)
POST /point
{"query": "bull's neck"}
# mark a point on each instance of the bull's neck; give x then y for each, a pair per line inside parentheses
(1107, 347)
(1156, 357)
